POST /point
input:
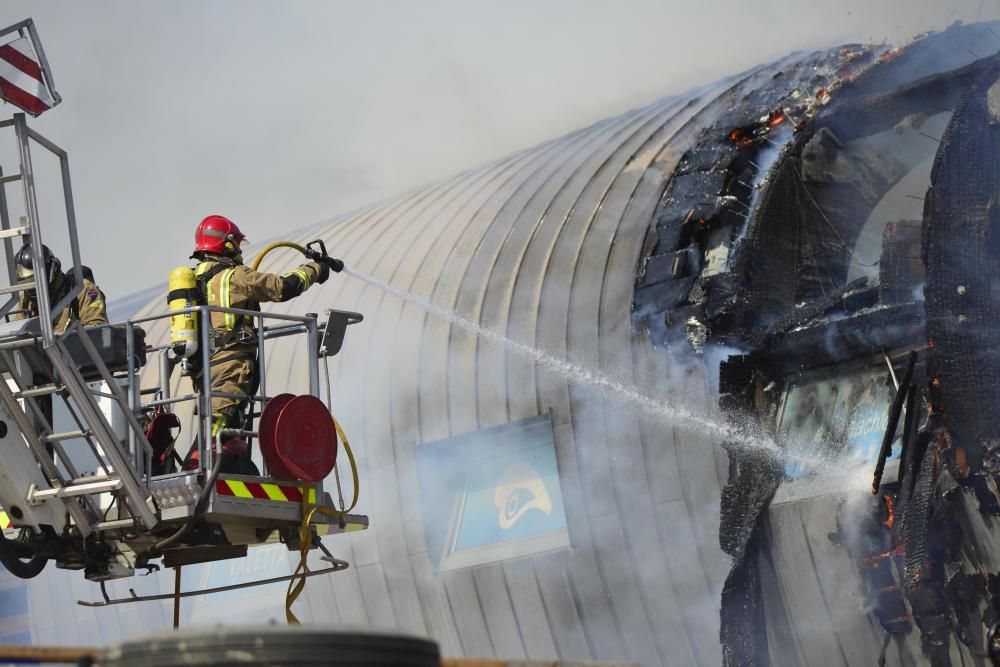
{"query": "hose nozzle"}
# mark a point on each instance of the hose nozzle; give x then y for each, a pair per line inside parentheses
(322, 257)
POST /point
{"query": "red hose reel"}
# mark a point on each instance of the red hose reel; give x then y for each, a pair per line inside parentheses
(297, 438)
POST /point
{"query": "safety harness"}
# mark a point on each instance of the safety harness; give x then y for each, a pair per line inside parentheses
(236, 333)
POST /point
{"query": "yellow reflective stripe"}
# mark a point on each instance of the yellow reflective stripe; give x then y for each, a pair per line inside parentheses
(202, 268)
(4, 521)
(274, 492)
(303, 276)
(96, 304)
(218, 425)
(239, 489)
(225, 297)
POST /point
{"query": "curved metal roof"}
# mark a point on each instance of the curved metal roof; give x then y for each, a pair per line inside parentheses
(543, 245)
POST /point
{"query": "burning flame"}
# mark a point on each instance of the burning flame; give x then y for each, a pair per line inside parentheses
(961, 460)
(945, 446)
(744, 136)
(891, 507)
(873, 561)
(740, 137)
(891, 54)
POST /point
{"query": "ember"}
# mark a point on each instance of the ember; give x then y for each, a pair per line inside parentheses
(891, 507)
(749, 134)
(891, 54)
(741, 137)
(961, 461)
(873, 561)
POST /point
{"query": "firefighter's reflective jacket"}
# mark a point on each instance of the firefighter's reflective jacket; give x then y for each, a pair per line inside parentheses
(89, 307)
(225, 283)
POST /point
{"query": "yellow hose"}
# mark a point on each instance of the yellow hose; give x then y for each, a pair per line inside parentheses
(273, 246)
(298, 581)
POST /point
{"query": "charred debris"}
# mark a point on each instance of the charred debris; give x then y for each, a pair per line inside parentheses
(763, 241)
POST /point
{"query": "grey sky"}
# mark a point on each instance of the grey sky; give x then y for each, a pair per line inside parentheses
(283, 114)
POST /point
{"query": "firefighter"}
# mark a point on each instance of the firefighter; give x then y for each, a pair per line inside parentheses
(89, 307)
(223, 280)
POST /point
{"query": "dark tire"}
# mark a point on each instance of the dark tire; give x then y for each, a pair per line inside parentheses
(274, 646)
(18, 560)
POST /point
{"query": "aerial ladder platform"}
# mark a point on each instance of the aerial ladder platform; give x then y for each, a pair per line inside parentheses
(80, 482)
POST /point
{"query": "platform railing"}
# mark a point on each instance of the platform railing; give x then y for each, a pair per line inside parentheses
(269, 326)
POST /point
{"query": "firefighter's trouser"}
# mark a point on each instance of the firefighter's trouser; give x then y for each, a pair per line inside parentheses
(231, 372)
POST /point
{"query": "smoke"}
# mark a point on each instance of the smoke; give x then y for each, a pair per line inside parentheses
(666, 412)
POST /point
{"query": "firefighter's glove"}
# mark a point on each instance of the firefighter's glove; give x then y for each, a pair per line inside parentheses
(324, 273)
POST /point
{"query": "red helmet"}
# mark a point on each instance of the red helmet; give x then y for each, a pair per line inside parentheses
(219, 236)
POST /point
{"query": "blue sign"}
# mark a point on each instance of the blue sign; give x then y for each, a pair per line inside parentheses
(499, 492)
(511, 497)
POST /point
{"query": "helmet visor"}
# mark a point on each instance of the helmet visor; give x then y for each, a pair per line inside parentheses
(24, 273)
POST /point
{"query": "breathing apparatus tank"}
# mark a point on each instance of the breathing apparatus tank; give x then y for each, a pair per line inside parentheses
(183, 293)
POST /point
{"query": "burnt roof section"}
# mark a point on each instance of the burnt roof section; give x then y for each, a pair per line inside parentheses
(707, 207)
(935, 534)
(762, 212)
(962, 252)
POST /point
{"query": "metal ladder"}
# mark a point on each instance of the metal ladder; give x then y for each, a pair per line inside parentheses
(122, 473)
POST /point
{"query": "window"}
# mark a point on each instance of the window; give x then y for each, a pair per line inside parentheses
(492, 495)
(840, 417)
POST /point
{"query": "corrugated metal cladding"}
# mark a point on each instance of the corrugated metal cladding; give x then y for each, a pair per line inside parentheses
(543, 244)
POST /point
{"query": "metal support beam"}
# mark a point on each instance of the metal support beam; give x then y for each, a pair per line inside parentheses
(67, 435)
(134, 492)
(48, 465)
(36, 497)
(11, 233)
(31, 207)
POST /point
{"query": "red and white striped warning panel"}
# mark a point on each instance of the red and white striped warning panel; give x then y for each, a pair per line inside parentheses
(21, 81)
